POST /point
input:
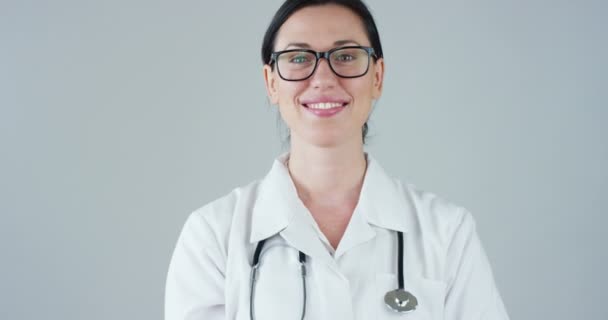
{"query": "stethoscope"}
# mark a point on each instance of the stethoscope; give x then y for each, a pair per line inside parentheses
(398, 300)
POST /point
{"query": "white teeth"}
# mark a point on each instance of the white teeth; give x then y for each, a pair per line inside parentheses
(324, 105)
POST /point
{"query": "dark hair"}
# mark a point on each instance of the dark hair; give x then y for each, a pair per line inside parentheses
(289, 7)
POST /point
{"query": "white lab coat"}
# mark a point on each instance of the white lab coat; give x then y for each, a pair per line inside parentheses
(445, 265)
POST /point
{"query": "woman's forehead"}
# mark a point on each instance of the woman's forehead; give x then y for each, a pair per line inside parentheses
(321, 27)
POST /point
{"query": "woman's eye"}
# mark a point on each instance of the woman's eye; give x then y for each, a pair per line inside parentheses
(345, 57)
(299, 59)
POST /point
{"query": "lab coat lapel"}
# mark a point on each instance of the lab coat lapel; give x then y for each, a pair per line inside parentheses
(278, 210)
(381, 204)
(301, 234)
(273, 204)
(357, 232)
(383, 200)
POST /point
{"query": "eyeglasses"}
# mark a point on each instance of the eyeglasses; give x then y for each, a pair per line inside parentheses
(300, 64)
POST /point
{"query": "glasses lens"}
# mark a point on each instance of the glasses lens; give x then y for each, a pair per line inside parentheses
(296, 65)
(350, 62)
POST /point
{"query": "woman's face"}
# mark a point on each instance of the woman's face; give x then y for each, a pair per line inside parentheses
(322, 28)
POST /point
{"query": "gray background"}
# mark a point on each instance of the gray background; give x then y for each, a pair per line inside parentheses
(119, 118)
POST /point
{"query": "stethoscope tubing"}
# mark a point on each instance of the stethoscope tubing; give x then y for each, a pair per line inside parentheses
(254, 271)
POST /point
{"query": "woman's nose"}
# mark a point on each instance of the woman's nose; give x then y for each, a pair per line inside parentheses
(323, 75)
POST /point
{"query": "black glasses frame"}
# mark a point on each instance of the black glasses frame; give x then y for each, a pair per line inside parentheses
(274, 58)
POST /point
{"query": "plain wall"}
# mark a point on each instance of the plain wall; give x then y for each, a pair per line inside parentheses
(119, 118)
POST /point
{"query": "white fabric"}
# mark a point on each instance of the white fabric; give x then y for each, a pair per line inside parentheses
(445, 265)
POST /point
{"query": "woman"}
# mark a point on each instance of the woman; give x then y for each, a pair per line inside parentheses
(327, 234)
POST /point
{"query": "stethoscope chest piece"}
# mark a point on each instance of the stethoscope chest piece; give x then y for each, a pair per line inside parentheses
(400, 301)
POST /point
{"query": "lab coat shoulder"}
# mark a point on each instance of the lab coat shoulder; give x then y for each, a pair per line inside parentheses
(195, 285)
(223, 214)
(435, 218)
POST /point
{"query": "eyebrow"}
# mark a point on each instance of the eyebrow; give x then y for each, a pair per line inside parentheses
(307, 46)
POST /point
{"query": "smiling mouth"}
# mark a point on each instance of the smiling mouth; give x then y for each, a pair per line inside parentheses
(325, 105)
(325, 109)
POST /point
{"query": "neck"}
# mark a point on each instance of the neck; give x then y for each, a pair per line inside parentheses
(327, 176)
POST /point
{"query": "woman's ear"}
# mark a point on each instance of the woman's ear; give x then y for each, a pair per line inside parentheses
(378, 78)
(271, 85)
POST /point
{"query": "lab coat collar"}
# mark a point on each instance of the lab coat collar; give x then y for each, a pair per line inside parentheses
(276, 201)
(279, 210)
(382, 203)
